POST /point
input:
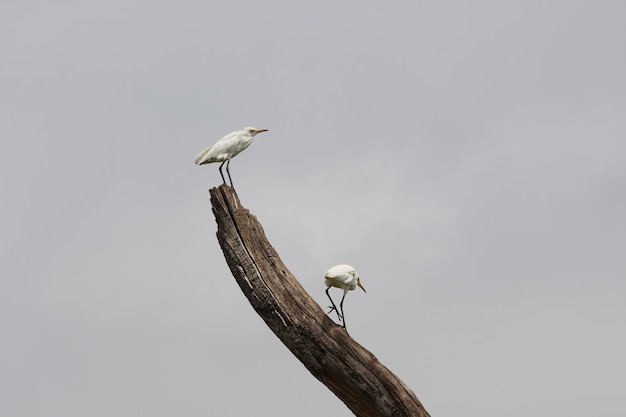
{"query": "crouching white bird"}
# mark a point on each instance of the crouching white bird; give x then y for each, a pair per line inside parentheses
(227, 148)
(346, 278)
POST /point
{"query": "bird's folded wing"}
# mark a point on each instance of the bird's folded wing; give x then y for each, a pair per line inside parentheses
(340, 276)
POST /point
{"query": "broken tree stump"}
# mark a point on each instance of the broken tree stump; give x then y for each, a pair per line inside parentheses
(350, 371)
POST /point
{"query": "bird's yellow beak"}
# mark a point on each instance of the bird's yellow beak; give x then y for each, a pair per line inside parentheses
(261, 130)
(360, 285)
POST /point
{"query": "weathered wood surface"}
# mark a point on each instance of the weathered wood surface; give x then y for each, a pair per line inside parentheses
(367, 387)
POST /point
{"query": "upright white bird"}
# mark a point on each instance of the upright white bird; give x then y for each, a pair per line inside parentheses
(227, 148)
(346, 278)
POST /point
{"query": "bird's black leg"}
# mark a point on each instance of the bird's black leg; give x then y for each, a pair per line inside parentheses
(341, 307)
(221, 165)
(334, 307)
(228, 172)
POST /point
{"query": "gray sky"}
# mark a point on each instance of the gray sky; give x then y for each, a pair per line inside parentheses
(469, 159)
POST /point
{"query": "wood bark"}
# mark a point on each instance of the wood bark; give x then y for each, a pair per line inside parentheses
(351, 372)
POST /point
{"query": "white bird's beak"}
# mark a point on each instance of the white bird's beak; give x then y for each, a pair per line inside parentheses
(361, 286)
(261, 130)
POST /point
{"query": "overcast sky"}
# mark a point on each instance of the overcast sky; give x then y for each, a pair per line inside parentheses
(468, 158)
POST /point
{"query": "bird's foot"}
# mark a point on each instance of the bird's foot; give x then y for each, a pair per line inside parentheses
(337, 311)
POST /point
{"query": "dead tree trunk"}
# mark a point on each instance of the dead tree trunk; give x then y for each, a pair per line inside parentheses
(367, 387)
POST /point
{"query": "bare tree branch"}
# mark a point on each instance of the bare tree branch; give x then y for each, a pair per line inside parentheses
(365, 385)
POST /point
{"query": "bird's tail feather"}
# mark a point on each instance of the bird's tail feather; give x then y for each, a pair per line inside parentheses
(201, 155)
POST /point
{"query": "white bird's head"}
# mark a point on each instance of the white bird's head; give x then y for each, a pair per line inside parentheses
(358, 280)
(253, 130)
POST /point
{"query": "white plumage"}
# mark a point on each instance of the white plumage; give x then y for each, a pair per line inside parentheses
(227, 148)
(344, 277)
